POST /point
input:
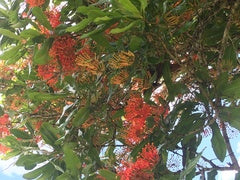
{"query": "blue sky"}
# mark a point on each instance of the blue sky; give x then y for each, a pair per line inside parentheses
(10, 172)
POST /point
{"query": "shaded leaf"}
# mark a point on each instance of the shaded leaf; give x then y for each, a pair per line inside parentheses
(190, 166)
(231, 115)
(211, 175)
(218, 144)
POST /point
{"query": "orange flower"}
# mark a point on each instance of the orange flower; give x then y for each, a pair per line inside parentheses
(122, 59)
(142, 168)
(136, 113)
(53, 17)
(33, 3)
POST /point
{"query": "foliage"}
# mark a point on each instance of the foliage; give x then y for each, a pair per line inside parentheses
(112, 89)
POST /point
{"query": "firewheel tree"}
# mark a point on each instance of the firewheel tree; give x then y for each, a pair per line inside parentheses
(119, 89)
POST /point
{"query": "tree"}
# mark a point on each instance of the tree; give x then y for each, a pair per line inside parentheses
(111, 89)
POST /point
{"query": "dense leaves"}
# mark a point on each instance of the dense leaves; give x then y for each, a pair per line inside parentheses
(119, 89)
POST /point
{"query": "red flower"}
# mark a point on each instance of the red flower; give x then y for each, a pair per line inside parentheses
(54, 17)
(142, 168)
(49, 73)
(136, 113)
(4, 131)
(63, 60)
(63, 50)
(33, 3)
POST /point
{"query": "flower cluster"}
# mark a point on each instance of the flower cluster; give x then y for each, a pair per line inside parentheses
(53, 16)
(34, 3)
(86, 59)
(137, 112)
(4, 131)
(63, 57)
(142, 168)
(120, 77)
(121, 60)
(63, 50)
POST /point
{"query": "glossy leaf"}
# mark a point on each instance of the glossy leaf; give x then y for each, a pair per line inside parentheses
(81, 116)
(11, 53)
(71, 159)
(120, 30)
(190, 166)
(41, 56)
(9, 34)
(20, 134)
(49, 134)
(218, 144)
(108, 175)
(41, 17)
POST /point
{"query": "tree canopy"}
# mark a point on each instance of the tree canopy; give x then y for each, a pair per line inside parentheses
(119, 89)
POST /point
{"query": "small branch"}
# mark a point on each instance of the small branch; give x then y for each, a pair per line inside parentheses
(229, 148)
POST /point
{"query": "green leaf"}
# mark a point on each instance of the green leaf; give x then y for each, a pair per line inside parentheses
(231, 115)
(71, 159)
(150, 122)
(29, 33)
(41, 56)
(11, 53)
(190, 166)
(108, 175)
(135, 43)
(103, 19)
(94, 155)
(232, 89)
(41, 17)
(30, 161)
(37, 172)
(86, 9)
(9, 34)
(101, 40)
(155, 60)
(129, 7)
(20, 134)
(211, 175)
(49, 134)
(120, 30)
(41, 96)
(81, 116)
(118, 114)
(65, 176)
(144, 4)
(218, 144)
(79, 26)
(138, 148)
(230, 55)
(1, 111)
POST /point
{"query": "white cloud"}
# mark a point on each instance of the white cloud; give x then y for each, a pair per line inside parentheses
(226, 175)
(9, 168)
